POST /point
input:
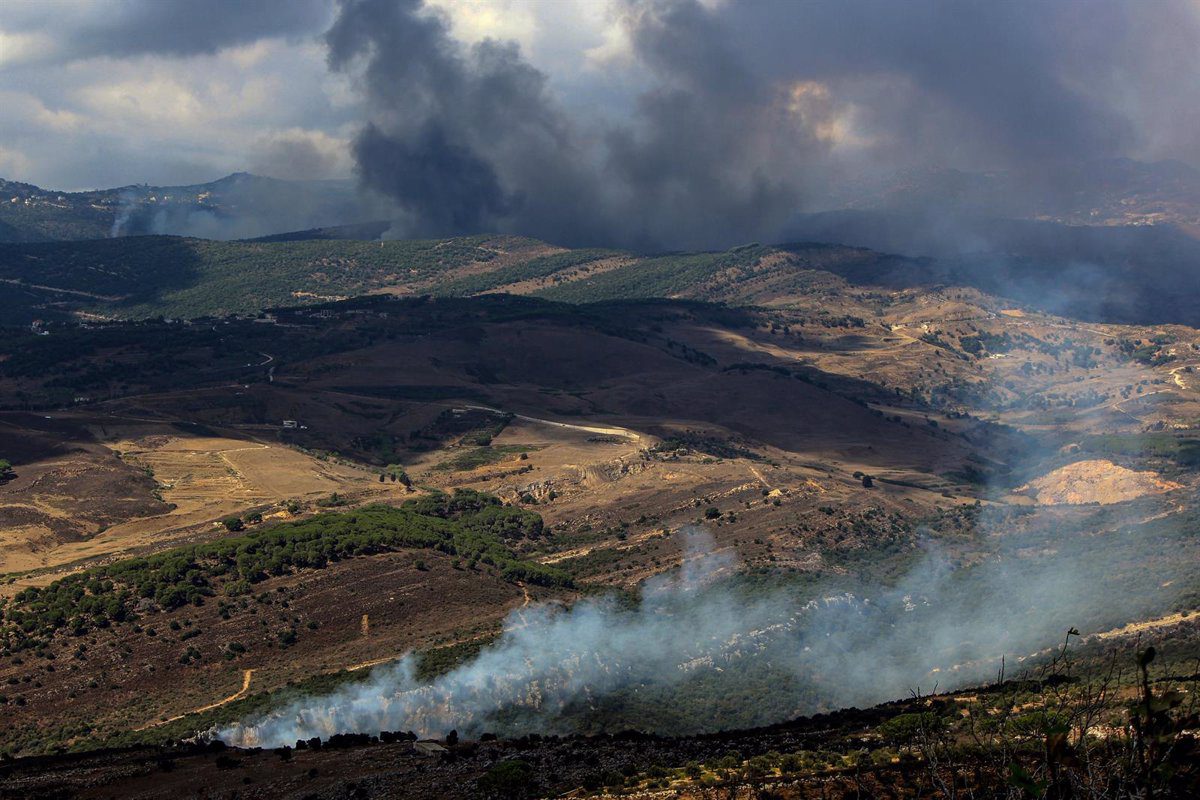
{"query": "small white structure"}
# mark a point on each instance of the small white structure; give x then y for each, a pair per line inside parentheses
(430, 749)
(291, 424)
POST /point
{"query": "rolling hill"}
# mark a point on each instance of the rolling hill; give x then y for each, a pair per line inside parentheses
(1103, 192)
(828, 443)
(240, 205)
(1097, 273)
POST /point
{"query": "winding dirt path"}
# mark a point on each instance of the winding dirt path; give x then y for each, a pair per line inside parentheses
(1174, 372)
(246, 676)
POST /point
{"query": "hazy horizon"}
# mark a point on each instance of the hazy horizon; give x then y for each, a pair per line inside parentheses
(680, 123)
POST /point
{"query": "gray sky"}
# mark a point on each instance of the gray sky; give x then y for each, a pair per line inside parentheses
(99, 93)
(578, 116)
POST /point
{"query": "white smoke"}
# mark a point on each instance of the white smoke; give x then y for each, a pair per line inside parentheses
(696, 636)
(547, 658)
(124, 213)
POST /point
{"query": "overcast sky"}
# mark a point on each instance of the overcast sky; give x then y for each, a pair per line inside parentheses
(99, 93)
(502, 113)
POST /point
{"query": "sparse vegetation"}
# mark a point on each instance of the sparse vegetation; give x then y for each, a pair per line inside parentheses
(146, 276)
(465, 524)
(481, 457)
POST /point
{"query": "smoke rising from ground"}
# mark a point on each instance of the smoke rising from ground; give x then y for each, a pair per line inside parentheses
(241, 206)
(703, 653)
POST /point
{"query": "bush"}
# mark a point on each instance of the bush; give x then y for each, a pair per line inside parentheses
(512, 778)
(234, 524)
(906, 728)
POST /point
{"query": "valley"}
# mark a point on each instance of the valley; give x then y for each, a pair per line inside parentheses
(599, 400)
(824, 433)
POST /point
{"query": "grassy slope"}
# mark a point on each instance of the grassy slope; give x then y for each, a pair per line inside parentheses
(139, 277)
(146, 276)
(662, 276)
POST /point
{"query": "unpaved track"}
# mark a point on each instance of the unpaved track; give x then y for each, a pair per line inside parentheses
(246, 676)
(610, 430)
(1134, 628)
(759, 475)
(75, 292)
(1174, 371)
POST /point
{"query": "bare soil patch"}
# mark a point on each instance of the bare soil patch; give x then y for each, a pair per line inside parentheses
(1096, 481)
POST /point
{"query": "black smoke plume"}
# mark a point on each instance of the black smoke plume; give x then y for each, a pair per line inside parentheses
(745, 114)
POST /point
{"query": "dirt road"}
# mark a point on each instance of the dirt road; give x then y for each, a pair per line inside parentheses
(246, 676)
(609, 430)
(1175, 376)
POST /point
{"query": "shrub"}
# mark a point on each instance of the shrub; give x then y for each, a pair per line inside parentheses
(512, 778)
(906, 728)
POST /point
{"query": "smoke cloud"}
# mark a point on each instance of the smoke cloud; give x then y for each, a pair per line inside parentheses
(469, 138)
(242, 206)
(702, 652)
(739, 115)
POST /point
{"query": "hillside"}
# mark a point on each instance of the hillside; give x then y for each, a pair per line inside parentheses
(147, 276)
(829, 438)
(1104, 192)
(599, 400)
(1115, 273)
(1098, 273)
(984, 743)
(237, 206)
(231, 500)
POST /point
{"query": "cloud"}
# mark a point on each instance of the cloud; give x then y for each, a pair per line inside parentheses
(165, 120)
(85, 29)
(102, 94)
(299, 154)
(12, 162)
